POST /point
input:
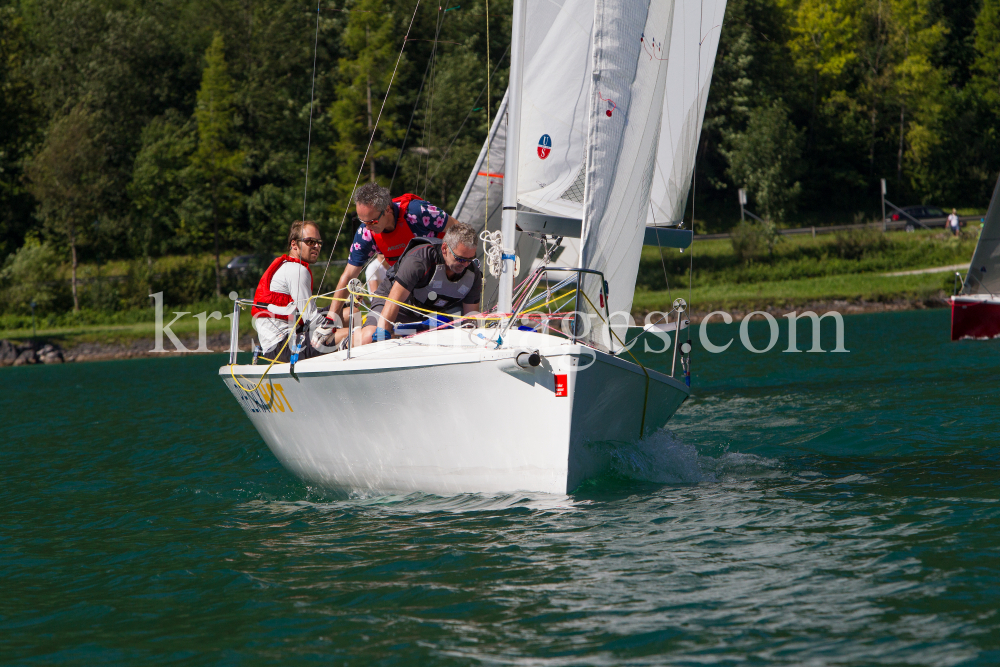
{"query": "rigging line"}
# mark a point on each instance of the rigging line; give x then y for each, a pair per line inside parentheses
(489, 127)
(694, 169)
(312, 100)
(429, 113)
(429, 72)
(371, 140)
(416, 103)
(662, 262)
(469, 115)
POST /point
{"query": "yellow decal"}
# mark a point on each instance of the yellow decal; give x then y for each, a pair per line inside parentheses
(265, 399)
(280, 389)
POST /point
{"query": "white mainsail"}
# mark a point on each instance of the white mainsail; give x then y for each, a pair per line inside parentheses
(562, 100)
(983, 276)
(484, 189)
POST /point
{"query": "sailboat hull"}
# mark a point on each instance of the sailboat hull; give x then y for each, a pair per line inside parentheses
(975, 317)
(461, 421)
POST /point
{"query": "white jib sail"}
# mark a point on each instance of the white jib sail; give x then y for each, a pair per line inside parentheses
(984, 271)
(622, 145)
(693, 44)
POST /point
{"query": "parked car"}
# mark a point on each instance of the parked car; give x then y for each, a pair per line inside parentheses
(922, 212)
(244, 263)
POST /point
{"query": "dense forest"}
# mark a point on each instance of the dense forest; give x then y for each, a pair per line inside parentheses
(137, 130)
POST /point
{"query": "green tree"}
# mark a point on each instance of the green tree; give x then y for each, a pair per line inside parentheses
(216, 164)
(18, 127)
(372, 39)
(67, 178)
(28, 276)
(160, 182)
(766, 159)
(823, 41)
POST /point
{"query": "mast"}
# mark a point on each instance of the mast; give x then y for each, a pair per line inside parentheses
(509, 218)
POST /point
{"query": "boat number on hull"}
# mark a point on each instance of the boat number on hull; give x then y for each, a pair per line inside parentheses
(267, 398)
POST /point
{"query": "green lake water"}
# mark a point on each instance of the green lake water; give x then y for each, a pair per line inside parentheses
(802, 509)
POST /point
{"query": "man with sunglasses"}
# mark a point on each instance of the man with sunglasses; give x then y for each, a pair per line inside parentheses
(432, 274)
(387, 227)
(285, 289)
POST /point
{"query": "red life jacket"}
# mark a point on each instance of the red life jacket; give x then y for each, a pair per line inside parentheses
(264, 293)
(392, 244)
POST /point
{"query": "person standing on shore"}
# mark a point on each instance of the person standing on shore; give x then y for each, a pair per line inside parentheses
(953, 222)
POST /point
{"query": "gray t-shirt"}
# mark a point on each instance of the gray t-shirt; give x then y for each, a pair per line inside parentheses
(417, 267)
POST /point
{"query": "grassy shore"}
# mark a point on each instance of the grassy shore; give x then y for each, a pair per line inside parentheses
(845, 272)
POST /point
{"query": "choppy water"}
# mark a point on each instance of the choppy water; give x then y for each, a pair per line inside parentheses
(803, 509)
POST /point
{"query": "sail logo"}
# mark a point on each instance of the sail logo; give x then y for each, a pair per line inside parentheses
(544, 146)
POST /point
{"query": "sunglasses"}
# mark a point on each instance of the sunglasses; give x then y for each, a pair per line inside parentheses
(373, 220)
(459, 258)
(312, 243)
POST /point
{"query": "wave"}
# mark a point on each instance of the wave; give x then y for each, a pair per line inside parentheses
(663, 458)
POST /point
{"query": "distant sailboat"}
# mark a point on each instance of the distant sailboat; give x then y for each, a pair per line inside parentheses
(975, 311)
(519, 405)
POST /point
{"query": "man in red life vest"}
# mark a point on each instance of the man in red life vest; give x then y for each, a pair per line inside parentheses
(286, 287)
(387, 227)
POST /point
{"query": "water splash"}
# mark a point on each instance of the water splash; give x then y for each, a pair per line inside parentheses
(663, 458)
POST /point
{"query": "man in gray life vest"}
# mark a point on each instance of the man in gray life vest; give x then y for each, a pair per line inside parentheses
(432, 274)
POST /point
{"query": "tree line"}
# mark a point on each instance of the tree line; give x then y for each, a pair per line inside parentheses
(135, 130)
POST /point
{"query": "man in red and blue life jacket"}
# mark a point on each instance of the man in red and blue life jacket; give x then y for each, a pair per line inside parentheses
(285, 290)
(387, 226)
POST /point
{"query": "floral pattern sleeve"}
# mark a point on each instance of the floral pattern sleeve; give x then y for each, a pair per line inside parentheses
(425, 218)
(362, 247)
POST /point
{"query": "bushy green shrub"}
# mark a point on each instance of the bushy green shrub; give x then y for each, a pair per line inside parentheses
(752, 240)
(855, 244)
(33, 274)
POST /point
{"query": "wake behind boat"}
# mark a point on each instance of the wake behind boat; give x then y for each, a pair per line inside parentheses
(617, 90)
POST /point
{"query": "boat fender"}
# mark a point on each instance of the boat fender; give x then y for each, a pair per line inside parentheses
(528, 359)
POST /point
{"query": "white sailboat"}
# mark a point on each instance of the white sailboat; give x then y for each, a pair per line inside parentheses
(501, 409)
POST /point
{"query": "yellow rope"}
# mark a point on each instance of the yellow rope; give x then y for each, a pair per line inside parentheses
(457, 319)
(232, 372)
(290, 334)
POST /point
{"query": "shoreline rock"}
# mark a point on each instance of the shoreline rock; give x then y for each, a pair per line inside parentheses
(30, 352)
